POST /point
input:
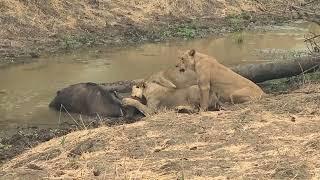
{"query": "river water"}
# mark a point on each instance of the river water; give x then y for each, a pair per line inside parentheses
(26, 89)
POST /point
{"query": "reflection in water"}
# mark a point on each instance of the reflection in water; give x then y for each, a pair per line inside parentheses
(26, 90)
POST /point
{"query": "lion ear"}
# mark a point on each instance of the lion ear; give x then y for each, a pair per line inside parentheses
(144, 85)
(192, 52)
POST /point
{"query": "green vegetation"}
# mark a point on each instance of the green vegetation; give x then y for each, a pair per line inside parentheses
(238, 22)
(5, 146)
(292, 83)
(181, 177)
(63, 140)
(73, 42)
(186, 31)
(289, 55)
(238, 37)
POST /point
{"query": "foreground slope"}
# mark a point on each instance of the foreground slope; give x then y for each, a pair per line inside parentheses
(278, 137)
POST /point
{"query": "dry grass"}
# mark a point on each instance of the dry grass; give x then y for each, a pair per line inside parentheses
(53, 15)
(29, 27)
(41, 23)
(276, 138)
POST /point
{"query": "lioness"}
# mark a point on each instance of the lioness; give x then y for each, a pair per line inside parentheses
(165, 94)
(158, 96)
(173, 78)
(217, 82)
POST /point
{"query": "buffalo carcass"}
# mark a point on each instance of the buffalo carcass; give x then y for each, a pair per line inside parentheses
(91, 99)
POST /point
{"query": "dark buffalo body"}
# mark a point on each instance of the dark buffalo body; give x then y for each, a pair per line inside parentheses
(89, 99)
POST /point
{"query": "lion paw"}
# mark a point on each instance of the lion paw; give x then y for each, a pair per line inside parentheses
(185, 109)
(129, 102)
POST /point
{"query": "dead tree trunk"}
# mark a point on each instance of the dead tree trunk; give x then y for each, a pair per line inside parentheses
(280, 69)
(255, 72)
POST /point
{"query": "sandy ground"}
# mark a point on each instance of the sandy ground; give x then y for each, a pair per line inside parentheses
(275, 138)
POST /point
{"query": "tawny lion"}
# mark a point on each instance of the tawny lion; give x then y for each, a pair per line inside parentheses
(216, 81)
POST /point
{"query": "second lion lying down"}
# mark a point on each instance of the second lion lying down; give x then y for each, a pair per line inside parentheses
(179, 87)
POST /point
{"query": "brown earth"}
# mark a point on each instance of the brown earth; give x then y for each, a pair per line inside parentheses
(30, 28)
(276, 138)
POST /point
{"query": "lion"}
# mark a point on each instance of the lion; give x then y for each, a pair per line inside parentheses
(216, 81)
(160, 97)
(164, 90)
(173, 78)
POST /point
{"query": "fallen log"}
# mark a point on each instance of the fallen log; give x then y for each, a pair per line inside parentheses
(255, 72)
(280, 69)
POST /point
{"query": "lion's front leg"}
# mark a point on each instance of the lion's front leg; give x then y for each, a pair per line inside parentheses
(204, 87)
(135, 103)
(214, 102)
(204, 98)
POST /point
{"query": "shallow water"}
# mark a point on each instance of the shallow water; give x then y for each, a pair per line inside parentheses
(26, 89)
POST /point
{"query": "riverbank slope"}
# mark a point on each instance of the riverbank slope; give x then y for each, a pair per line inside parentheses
(275, 138)
(30, 29)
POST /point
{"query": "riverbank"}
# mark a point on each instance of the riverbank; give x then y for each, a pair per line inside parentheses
(32, 29)
(27, 138)
(274, 138)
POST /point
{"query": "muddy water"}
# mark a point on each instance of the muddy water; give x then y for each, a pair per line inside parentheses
(26, 90)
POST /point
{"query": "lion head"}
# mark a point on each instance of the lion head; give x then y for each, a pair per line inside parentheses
(137, 90)
(187, 61)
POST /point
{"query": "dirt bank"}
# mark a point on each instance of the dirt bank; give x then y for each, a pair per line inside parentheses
(32, 28)
(29, 137)
(277, 138)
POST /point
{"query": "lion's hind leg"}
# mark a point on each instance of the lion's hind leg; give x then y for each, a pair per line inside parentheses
(241, 96)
